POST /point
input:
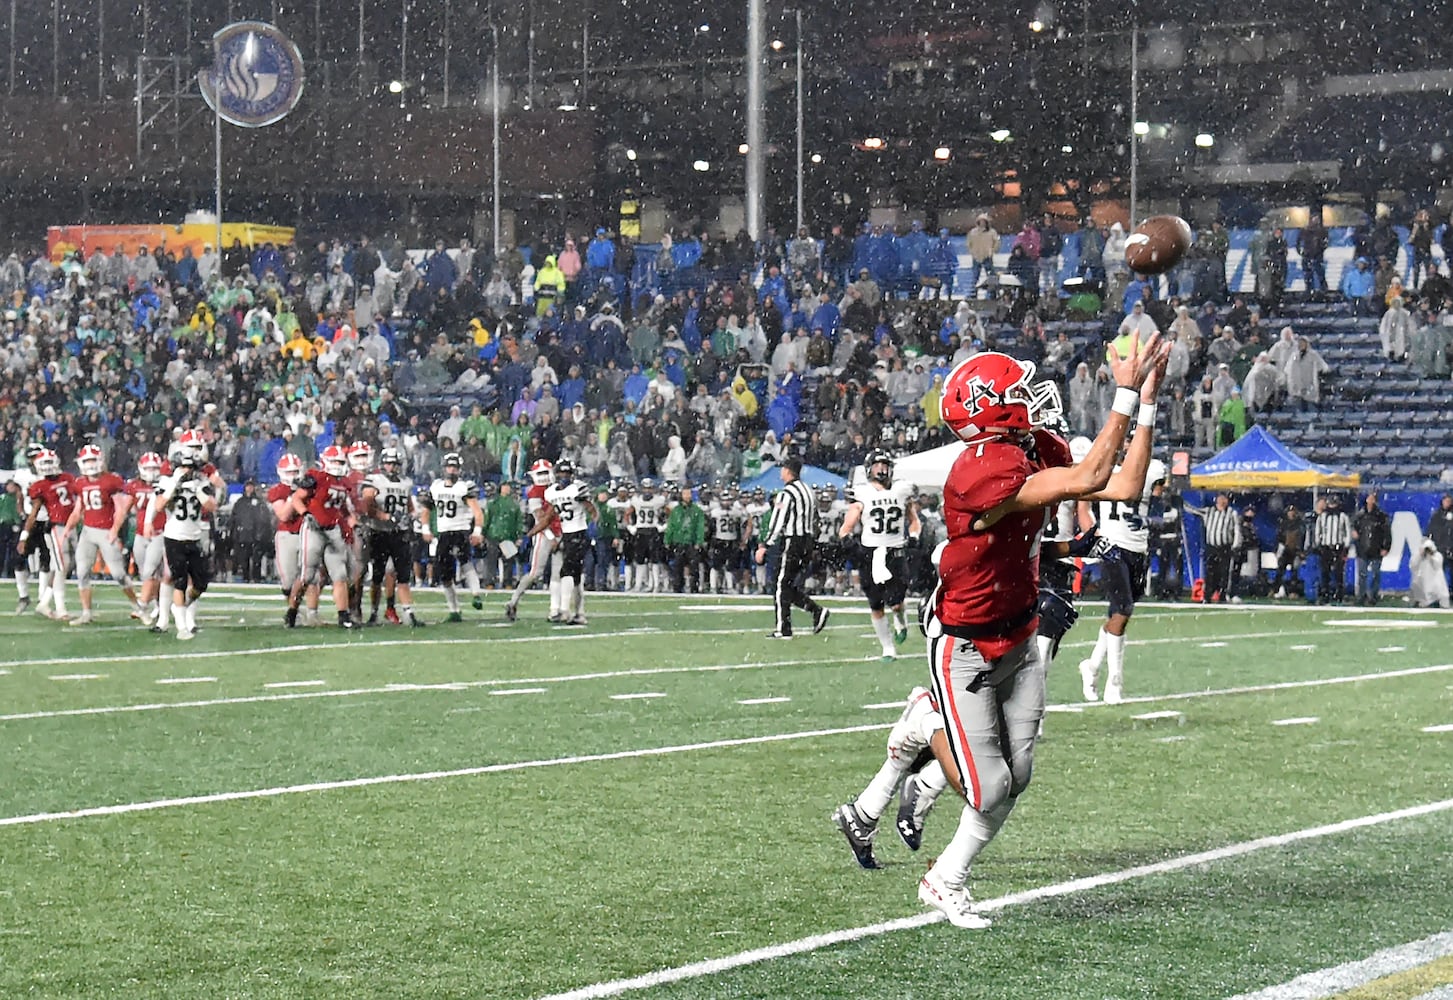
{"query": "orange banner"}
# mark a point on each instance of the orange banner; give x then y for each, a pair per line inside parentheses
(62, 240)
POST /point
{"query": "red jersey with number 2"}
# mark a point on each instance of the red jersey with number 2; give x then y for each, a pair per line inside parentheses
(992, 576)
(58, 495)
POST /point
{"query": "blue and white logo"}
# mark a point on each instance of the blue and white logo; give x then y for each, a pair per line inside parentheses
(257, 77)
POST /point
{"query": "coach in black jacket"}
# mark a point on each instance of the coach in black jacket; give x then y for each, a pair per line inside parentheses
(1372, 532)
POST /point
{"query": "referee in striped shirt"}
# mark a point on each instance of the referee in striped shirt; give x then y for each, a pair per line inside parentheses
(791, 535)
(1223, 539)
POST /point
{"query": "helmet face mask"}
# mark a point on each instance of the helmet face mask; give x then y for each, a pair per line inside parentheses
(879, 467)
(992, 395)
(453, 466)
(90, 461)
(360, 456)
(564, 473)
(289, 470)
(390, 461)
(542, 473)
(148, 467)
(48, 463)
(335, 460)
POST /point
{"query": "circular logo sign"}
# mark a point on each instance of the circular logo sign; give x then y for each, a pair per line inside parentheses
(257, 77)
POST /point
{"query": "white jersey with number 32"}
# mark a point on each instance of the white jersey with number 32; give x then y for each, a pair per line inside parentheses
(885, 514)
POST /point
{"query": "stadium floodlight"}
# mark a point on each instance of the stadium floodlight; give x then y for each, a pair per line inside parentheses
(1067, 149)
(701, 166)
(874, 142)
(942, 153)
(1000, 135)
(1205, 140)
(778, 45)
(631, 155)
(816, 157)
(744, 149)
(396, 86)
(1142, 128)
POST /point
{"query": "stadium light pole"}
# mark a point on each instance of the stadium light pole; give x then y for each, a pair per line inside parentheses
(756, 28)
(217, 151)
(800, 212)
(1134, 118)
(494, 102)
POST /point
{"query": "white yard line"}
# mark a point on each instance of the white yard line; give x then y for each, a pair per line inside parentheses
(77, 677)
(1350, 975)
(817, 942)
(296, 684)
(396, 779)
(763, 701)
(186, 680)
(638, 696)
(510, 691)
(1301, 720)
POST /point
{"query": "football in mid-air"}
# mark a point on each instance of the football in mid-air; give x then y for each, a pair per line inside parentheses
(1158, 244)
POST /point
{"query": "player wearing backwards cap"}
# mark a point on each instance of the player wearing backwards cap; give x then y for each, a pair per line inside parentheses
(148, 553)
(52, 492)
(102, 505)
(987, 672)
(460, 522)
(544, 552)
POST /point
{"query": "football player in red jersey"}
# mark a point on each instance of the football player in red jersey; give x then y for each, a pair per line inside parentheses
(985, 668)
(544, 545)
(149, 553)
(100, 512)
(54, 493)
(288, 541)
(321, 499)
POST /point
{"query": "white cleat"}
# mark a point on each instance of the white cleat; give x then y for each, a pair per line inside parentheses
(1087, 681)
(148, 617)
(83, 619)
(1113, 694)
(185, 634)
(955, 904)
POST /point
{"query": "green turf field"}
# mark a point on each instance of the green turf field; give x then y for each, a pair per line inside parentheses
(477, 811)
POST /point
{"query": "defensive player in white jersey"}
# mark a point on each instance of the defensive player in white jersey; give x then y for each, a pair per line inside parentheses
(758, 512)
(570, 502)
(648, 514)
(459, 520)
(387, 501)
(620, 506)
(724, 521)
(37, 559)
(187, 496)
(545, 550)
(1124, 546)
(889, 518)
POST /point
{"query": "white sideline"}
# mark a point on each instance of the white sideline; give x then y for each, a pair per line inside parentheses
(817, 942)
(554, 761)
(395, 779)
(1351, 975)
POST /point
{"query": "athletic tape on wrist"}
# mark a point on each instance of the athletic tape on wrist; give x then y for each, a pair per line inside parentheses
(1126, 401)
(1146, 416)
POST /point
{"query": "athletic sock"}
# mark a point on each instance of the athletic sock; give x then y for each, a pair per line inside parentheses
(565, 587)
(880, 791)
(164, 606)
(471, 577)
(1098, 656)
(975, 831)
(22, 584)
(451, 598)
(1115, 673)
(884, 632)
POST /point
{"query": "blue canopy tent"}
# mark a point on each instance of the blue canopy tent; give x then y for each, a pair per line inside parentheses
(771, 480)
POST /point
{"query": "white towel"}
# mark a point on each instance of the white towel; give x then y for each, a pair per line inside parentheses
(881, 572)
(508, 549)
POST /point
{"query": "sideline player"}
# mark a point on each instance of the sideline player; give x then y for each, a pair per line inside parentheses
(187, 496)
(725, 518)
(102, 505)
(287, 546)
(321, 498)
(889, 518)
(648, 514)
(460, 522)
(544, 552)
(569, 503)
(38, 559)
(625, 543)
(388, 505)
(987, 674)
(1123, 524)
(52, 492)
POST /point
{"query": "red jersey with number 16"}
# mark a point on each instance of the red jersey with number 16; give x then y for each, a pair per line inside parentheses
(98, 498)
(57, 493)
(992, 576)
(294, 522)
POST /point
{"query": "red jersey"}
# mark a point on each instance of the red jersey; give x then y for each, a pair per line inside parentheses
(141, 492)
(97, 495)
(57, 493)
(534, 500)
(294, 522)
(328, 498)
(992, 576)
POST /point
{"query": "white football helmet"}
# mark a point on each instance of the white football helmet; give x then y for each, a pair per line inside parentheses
(289, 469)
(335, 460)
(148, 467)
(91, 460)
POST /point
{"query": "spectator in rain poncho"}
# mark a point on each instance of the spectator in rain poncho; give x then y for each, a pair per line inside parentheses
(1304, 376)
(1263, 384)
(621, 463)
(1395, 330)
(1429, 583)
(1428, 349)
(673, 465)
(1082, 401)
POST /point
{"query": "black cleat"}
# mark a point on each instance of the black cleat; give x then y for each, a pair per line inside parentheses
(819, 620)
(859, 834)
(290, 619)
(909, 824)
(511, 612)
(415, 622)
(372, 620)
(345, 621)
